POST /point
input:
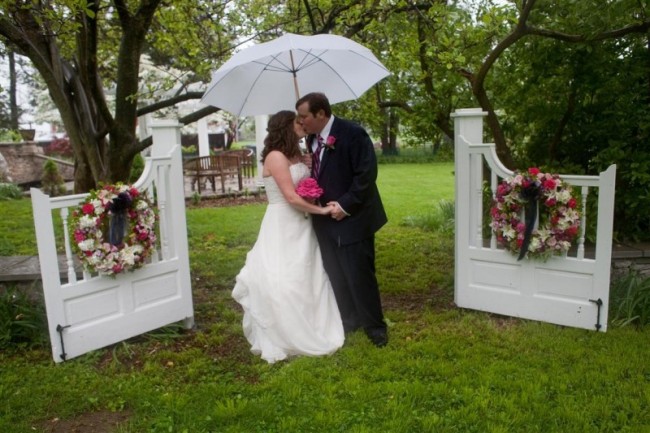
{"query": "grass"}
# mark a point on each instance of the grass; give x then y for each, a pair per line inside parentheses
(444, 370)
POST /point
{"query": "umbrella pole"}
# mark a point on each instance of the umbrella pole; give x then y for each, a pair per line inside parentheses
(295, 79)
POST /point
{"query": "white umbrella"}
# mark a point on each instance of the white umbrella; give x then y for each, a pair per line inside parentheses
(271, 76)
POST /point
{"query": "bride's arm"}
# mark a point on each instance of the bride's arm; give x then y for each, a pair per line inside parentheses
(278, 166)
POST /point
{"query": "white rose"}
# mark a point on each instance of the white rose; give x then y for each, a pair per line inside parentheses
(87, 245)
(86, 222)
(510, 233)
(99, 207)
(534, 244)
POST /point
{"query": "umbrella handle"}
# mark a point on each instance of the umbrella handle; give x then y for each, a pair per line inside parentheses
(295, 79)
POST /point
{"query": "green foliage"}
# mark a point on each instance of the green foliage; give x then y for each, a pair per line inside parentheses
(417, 155)
(137, 167)
(196, 198)
(22, 319)
(52, 182)
(630, 300)
(189, 150)
(10, 191)
(439, 220)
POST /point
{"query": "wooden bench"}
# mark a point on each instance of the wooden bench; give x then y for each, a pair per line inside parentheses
(248, 161)
(222, 165)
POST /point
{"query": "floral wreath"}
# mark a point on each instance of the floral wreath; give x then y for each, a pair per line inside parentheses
(559, 216)
(114, 229)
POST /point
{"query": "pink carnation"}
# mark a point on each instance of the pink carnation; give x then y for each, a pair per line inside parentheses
(330, 142)
(550, 184)
(308, 188)
(87, 209)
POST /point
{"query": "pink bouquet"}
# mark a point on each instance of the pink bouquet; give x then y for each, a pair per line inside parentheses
(308, 189)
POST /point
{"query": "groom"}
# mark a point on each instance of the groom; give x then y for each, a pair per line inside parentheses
(345, 166)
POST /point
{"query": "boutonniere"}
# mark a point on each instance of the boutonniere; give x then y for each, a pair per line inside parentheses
(329, 144)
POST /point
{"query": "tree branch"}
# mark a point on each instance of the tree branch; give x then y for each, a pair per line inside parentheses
(186, 120)
(398, 104)
(168, 102)
(611, 34)
(200, 114)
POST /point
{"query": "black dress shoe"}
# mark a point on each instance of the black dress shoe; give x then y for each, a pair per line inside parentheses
(378, 337)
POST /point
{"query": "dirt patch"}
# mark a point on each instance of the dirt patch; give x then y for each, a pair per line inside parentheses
(91, 422)
(439, 299)
(226, 201)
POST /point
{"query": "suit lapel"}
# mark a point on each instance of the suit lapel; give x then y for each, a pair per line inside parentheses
(326, 152)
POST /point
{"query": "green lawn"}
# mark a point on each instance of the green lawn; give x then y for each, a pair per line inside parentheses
(444, 369)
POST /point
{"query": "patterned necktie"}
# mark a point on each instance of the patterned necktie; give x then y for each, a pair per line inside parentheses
(316, 156)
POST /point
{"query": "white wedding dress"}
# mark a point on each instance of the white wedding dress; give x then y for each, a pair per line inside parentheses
(289, 306)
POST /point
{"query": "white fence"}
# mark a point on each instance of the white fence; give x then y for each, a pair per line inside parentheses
(572, 290)
(94, 311)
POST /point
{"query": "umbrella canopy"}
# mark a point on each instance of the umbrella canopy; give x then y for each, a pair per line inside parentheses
(271, 76)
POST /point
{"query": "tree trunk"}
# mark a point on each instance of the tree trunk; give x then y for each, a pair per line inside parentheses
(104, 143)
(13, 104)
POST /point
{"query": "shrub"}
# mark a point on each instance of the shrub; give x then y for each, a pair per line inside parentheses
(60, 147)
(52, 182)
(630, 300)
(137, 167)
(439, 220)
(10, 191)
(22, 319)
(189, 150)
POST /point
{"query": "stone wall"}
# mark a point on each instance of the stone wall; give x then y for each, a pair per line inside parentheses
(25, 163)
(630, 258)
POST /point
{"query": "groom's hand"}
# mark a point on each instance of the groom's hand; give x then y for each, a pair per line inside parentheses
(337, 211)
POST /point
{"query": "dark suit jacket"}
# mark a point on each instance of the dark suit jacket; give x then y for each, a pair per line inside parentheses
(347, 175)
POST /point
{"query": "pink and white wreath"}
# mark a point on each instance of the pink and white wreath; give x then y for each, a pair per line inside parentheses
(90, 224)
(559, 215)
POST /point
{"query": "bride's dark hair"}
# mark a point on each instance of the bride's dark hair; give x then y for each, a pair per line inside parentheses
(281, 135)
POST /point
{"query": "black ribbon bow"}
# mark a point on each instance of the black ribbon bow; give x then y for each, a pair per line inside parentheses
(531, 195)
(118, 208)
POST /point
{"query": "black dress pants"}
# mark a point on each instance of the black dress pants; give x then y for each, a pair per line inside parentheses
(351, 270)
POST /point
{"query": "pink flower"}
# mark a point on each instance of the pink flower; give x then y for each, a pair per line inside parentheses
(308, 188)
(550, 184)
(550, 202)
(329, 144)
(79, 236)
(572, 231)
(87, 209)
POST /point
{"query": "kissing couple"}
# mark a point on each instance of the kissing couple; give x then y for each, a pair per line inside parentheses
(309, 281)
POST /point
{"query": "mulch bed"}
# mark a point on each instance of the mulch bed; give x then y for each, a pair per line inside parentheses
(225, 201)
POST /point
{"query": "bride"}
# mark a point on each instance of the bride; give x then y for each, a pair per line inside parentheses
(289, 306)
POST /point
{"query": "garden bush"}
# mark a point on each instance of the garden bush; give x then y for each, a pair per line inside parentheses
(22, 319)
(630, 300)
(52, 182)
(10, 191)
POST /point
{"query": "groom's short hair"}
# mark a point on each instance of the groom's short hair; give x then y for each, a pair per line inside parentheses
(317, 101)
